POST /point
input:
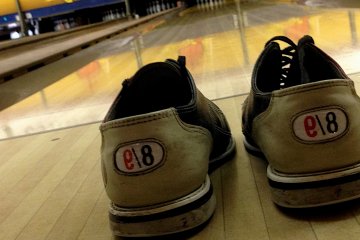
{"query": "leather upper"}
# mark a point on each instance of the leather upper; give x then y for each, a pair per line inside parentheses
(309, 123)
(158, 137)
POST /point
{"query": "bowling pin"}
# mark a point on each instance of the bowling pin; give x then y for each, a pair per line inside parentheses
(158, 7)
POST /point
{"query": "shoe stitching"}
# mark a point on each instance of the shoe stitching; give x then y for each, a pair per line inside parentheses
(305, 88)
(133, 121)
(155, 117)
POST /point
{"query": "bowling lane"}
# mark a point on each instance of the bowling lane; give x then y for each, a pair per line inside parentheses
(220, 40)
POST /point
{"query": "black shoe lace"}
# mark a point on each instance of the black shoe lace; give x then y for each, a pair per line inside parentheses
(287, 56)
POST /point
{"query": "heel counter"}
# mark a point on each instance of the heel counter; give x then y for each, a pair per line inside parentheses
(153, 158)
(312, 127)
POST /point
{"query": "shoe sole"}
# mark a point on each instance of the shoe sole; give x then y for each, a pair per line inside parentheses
(312, 190)
(177, 216)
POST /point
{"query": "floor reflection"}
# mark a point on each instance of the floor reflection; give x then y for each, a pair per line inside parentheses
(221, 44)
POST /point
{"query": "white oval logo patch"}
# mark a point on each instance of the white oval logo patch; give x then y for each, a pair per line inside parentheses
(139, 157)
(321, 124)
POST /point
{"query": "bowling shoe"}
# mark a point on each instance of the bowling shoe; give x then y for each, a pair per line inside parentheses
(160, 139)
(302, 116)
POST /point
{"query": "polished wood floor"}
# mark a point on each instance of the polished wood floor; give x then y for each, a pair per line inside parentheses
(51, 188)
(50, 179)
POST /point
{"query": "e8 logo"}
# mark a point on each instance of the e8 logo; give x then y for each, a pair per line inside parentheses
(312, 122)
(139, 156)
(131, 158)
(320, 125)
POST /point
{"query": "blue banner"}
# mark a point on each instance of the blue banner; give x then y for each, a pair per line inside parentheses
(59, 9)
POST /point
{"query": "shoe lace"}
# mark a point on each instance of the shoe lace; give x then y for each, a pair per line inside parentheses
(287, 56)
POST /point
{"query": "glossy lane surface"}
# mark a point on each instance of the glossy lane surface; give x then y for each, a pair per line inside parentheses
(221, 43)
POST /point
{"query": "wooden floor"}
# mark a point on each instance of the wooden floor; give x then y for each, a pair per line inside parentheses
(51, 188)
(50, 182)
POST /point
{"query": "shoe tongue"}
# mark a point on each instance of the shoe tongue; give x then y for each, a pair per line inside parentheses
(302, 44)
(154, 87)
(305, 40)
(269, 68)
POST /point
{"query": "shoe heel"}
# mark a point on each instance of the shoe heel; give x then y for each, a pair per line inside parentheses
(315, 190)
(173, 217)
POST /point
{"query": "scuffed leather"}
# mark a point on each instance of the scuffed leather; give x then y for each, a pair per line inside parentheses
(184, 169)
(272, 130)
